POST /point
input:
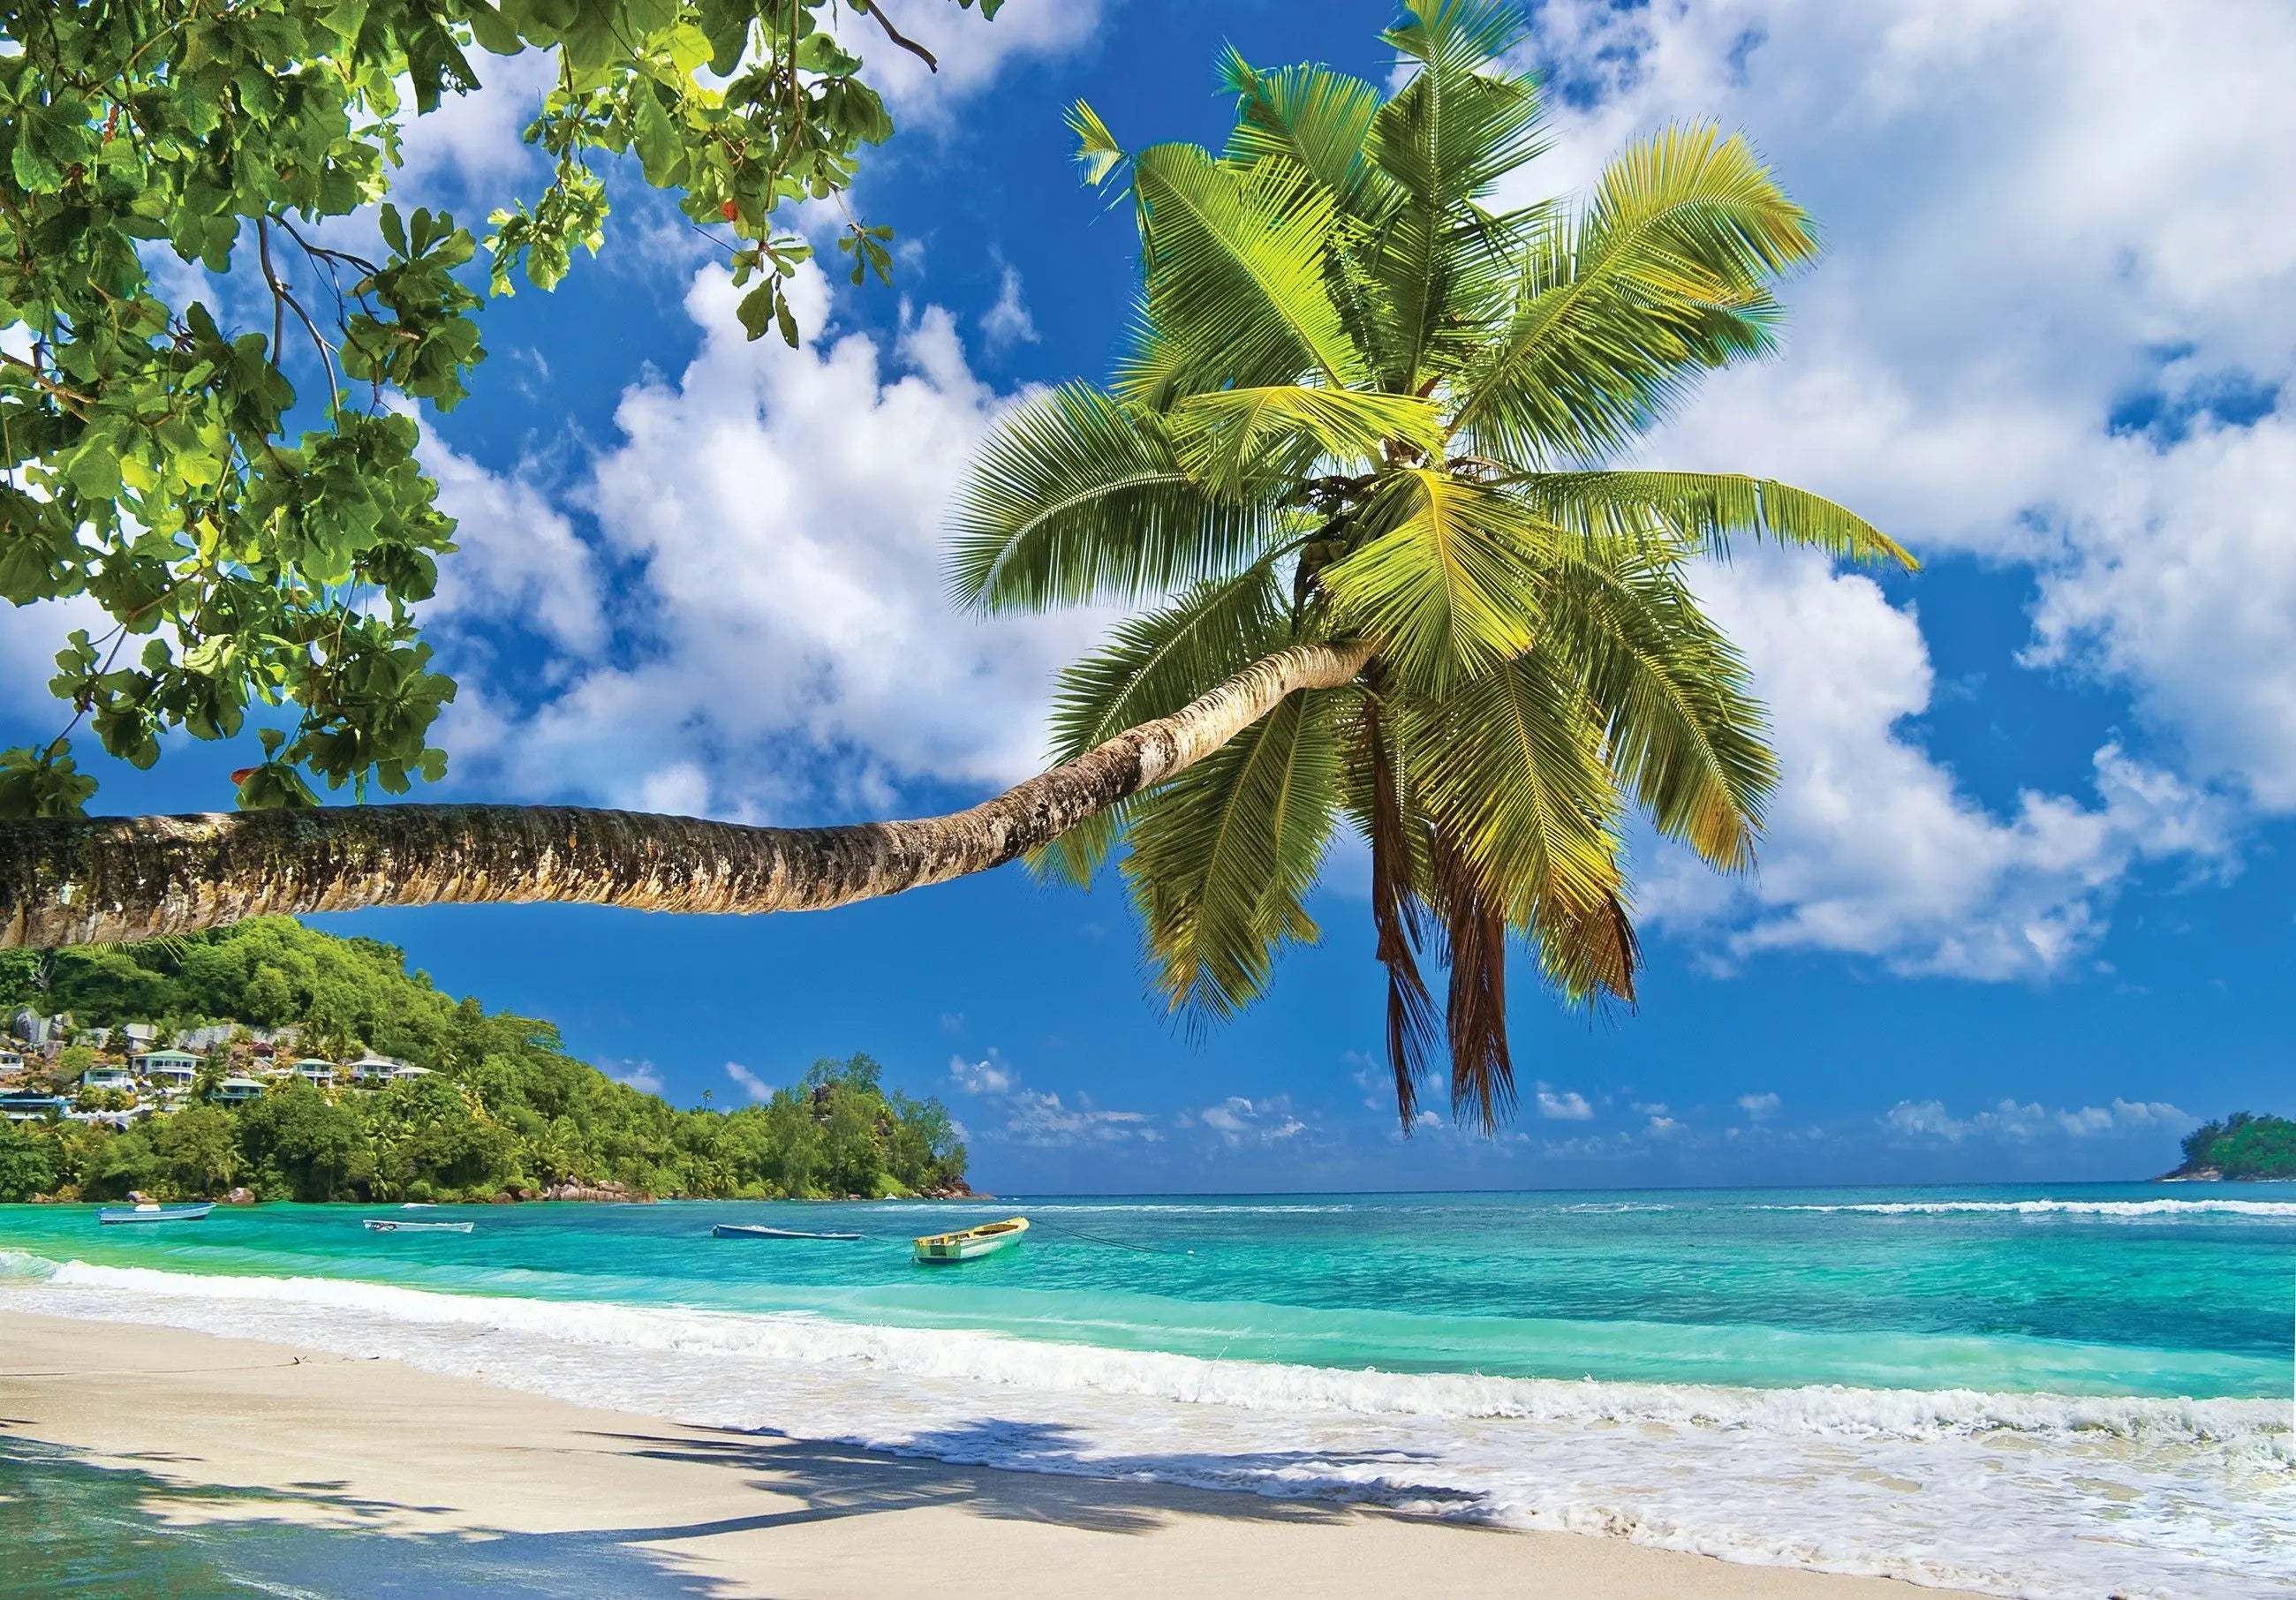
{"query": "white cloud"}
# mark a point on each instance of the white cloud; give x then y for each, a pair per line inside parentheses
(752, 1085)
(642, 1077)
(1240, 1123)
(2016, 252)
(987, 1077)
(1871, 846)
(519, 558)
(29, 637)
(1042, 1120)
(1007, 321)
(475, 141)
(971, 52)
(786, 510)
(1758, 1106)
(2008, 1122)
(1569, 1106)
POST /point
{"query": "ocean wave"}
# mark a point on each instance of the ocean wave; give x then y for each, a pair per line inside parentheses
(980, 1356)
(2045, 1496)
(2072, 1208)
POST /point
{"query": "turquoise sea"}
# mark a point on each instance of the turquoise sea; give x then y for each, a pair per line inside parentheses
(2074, 1391)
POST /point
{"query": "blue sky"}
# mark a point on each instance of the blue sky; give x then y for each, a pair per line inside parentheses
(2025, 910)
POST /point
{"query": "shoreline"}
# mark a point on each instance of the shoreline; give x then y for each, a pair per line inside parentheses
(264, 1451)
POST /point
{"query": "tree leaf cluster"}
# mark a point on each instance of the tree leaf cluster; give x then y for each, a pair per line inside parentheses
(246, 504)
(1373, 395)
(506, 1110)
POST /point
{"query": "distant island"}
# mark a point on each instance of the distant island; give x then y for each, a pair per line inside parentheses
(269, 1061)
(2244, 1147)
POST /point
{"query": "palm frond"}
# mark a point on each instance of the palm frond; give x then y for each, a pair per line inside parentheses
(1228, 438)
(1077, 496)
(1482, 1069)
(1682, 728)
(1447, 588)
(1588, 951)
(1305, 113)
(1098, 153)
(1710, 509)
(1663, 276)
(1411, 1027)
(1442, 142)
(1153, 664)
(1512, 774)
(1236, 262)
(1222, 857)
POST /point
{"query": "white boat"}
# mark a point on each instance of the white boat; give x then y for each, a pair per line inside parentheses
(749, 1230)
(967, 1243)
(384, 1225)
(150, 1212)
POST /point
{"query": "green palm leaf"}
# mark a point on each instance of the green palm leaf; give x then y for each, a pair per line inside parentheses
(1308, 114)
(1077, 496)
(1235, 266)
(1511, 771)
(1230, 438)
(1153, 664)
(1448, 588)
(1683, 730)
(1662, 276)
(1223, 857)
(1710, 509)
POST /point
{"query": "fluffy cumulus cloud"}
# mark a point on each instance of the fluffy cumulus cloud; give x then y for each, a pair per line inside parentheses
(784, 513)
(1873, 848)
(970, 51)
(1238, 1122)
(1928, 1121)
(2054, 330)
(1567, 1106)
(1760, 1106)
(1013, 1113)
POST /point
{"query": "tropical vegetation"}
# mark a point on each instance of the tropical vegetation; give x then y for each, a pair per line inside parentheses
(505, 1110)
(243, 504)
(2244, 1146)
(1359, 478)
(1372, 375)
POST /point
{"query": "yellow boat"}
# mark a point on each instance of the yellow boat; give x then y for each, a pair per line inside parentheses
(963, 1245)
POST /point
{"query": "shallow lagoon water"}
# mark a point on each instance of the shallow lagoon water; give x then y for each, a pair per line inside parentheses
(2070, 1390)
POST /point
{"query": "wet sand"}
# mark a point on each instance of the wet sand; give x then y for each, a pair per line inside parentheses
(325, 1472)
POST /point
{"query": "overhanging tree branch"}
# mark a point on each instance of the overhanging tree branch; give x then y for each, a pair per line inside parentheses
(123, 878)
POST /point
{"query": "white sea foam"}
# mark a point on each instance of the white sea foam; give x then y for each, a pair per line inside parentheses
(2042, 1495)
(2071, 1207)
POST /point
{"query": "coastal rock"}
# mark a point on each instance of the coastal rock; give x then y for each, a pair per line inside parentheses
(609, 1190)
(240, 1196)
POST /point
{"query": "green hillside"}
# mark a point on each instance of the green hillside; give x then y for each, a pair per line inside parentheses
(506, 1112)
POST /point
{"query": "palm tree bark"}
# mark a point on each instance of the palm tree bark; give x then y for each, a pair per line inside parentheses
(125, 878)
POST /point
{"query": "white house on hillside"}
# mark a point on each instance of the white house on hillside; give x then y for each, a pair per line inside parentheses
(170, 1069)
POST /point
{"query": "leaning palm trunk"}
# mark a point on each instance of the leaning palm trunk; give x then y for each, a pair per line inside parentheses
(82, 880)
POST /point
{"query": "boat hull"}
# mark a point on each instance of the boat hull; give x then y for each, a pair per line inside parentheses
(970, 1244)
(379, 1226)
(743, 1230)
(181, 1213)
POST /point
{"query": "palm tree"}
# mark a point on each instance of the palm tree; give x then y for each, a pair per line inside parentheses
(1365, 413)
(1350, 468)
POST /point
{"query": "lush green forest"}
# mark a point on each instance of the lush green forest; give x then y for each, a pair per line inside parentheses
(506, 1113)
(2243, 1146)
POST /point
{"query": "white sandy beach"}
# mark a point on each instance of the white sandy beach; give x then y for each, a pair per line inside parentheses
(417, 1461)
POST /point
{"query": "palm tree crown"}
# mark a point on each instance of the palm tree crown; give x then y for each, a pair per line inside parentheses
(1368, 404)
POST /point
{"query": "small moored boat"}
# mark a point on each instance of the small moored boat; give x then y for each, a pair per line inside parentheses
(745, 1230)
(150, 1212)
(384, 1225)
(966, 1243)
